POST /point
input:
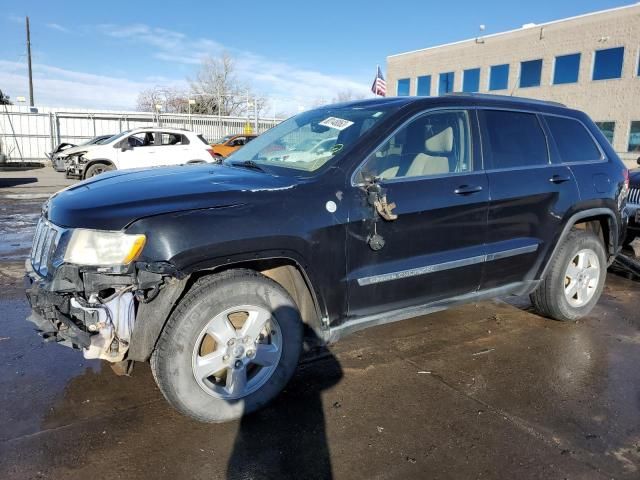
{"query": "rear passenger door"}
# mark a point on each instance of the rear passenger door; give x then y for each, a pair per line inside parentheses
(431, 169)
(530, 195)
(172, 149)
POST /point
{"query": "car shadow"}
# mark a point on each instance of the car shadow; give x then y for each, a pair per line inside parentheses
(14, 182)
(288, 439)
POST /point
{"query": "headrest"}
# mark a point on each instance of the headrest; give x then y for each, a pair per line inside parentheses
(441, 142)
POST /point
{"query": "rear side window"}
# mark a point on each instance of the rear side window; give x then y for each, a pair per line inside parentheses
(513, 139)
(574, 142)
(168, 139)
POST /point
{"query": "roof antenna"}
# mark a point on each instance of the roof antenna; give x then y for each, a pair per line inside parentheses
(479, 38)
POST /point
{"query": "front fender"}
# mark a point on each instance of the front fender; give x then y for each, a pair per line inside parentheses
(228, 236)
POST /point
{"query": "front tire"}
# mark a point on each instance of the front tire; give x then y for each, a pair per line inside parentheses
(575, 279)
(229, 348)
(97, 169)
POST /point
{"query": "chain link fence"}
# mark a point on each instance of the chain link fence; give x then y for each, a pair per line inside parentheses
(28, 134)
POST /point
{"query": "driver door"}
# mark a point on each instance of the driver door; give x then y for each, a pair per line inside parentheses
(435, 249)
(141, 153)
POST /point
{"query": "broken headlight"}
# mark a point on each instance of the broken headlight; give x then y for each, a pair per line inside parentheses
(102, 248)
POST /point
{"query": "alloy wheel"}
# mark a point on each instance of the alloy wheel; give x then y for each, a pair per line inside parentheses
(237, 352)
(581, 278)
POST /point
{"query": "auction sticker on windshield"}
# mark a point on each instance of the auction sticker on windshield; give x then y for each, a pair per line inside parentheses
(337, 123)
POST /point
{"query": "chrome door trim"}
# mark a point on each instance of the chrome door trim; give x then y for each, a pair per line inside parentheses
(439, 267)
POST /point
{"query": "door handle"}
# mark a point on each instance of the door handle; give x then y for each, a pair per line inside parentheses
(467, 189)
(559, 179)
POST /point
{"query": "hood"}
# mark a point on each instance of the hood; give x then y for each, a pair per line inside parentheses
(634, 178)
(113, 200)
(77, 149)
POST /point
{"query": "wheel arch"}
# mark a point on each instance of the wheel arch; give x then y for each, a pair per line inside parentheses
(286, 271)
(601, 221)
(90, 163)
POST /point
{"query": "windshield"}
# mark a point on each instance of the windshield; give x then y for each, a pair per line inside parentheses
(116, 136)
(308, 141)
(103, 140)
(222, 140)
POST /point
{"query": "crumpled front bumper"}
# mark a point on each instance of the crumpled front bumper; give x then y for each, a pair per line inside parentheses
(51, 312)
(74, 169)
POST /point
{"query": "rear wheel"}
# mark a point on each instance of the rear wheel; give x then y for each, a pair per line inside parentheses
(97, 169)
(575, 279)
(230, 347)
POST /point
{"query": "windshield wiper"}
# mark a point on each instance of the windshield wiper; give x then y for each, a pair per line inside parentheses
(247, 164)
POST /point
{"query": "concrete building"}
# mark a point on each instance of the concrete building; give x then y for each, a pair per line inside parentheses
(589, 62)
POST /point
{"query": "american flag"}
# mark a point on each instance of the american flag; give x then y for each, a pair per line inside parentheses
(379, 86)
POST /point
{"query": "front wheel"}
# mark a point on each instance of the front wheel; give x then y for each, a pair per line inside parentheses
(575, 279)
(97, 169)
(229, 348)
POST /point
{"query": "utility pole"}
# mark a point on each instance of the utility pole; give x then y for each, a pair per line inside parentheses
(29, 64)
(255, 109)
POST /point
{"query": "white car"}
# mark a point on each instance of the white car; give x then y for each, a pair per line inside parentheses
(141, 148)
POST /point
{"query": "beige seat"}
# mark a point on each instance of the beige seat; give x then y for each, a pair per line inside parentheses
(429, 164)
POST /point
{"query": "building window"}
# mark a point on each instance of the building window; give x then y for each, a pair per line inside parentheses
(608, 63)
(608, 129)
(424, 86)
(566, 69)
(634, 138)
(471, 80)
(530, 73)
(446, 83)
(404, 84)
(499, 77)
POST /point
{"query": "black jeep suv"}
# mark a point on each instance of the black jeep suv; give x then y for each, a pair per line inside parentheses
(340, 218)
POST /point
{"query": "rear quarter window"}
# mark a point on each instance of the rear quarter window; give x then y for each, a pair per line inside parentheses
(574, 142)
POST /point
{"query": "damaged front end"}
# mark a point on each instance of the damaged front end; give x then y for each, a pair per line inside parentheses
(89, 307)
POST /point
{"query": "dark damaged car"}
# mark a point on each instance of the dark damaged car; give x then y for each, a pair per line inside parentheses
(633, 205)
(216, 274)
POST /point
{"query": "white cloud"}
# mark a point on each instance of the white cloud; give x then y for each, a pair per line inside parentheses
(58, 27)
(55, 86)
(287, 85)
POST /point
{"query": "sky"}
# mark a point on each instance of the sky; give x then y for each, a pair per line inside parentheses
(102, 54)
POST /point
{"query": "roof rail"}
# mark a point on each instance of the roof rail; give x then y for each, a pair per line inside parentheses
(491, 96)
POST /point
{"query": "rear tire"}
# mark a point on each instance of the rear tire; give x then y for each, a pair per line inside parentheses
(575, 279)
(214, 363)
(97, 169)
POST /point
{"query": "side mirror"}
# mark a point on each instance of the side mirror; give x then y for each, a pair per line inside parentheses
(638, 161)
(124, 146)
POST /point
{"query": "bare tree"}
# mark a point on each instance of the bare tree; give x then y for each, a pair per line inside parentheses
(216, 89)
(172, 100)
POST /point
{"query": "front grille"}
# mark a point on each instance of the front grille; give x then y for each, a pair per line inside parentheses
(45, 243)
(634, 196)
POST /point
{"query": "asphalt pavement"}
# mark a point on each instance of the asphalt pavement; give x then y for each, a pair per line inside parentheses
(488, 390)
